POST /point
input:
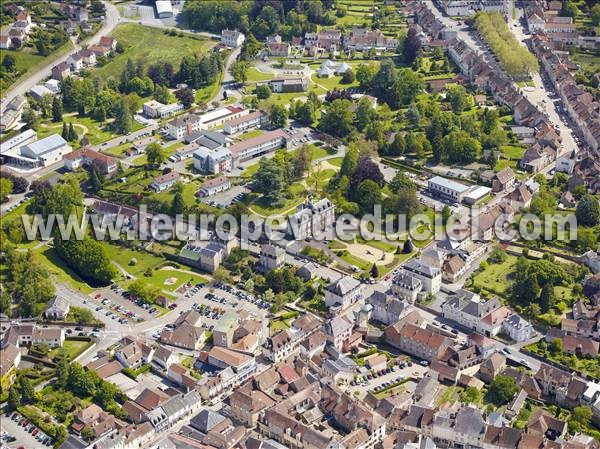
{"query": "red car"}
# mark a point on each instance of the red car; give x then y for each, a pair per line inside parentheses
(98, 295)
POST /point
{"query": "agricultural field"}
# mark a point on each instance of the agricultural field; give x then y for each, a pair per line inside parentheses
(135, 39)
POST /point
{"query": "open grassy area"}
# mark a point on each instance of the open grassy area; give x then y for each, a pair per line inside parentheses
(59, 270)
(335, 82)
(123, 256)
(96, 132)
(159, 277)
(336, 161)
(513, 152)
(496, 277)
(71, 348)
(256, 75)
(296, 196)
(250, 134)
(151, 45)
(189, 193)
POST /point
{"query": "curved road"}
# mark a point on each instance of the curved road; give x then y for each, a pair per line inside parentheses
(111, 20)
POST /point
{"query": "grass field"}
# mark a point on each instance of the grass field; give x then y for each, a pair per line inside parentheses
(122, 256)
(250, 134)
(335, 82)
(496, 277)
(160, 276)
(512, 151)
(256, 75)
(189, 192)
(59, 270)
(150, 45)
(94, 131)
(71, 348)
(336, 161)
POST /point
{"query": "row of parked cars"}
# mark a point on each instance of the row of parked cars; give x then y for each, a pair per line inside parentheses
(244, 296)
(195, 289)
(29, 427)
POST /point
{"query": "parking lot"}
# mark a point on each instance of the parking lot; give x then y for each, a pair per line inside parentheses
(228, 197)
(214, 302)
(414, 370)
(29, 436)
(117, 304)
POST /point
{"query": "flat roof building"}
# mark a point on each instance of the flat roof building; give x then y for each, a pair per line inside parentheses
(447, 188)
(164, 9)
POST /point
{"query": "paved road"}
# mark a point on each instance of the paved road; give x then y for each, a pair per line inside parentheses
(539, 96)
(111, 20)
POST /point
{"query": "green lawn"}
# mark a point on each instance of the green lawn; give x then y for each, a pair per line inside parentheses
(123, 256)
(512, 151)
(59, 270)
(495, 278)
(169, 151)
(336, 161)
(189, 193)
(151, 45)
(335, 82)
(119, 150)
(356, 261)
(96, 132)
(250, 134)
(297, 191)
(159, 277)
(256, 75)
(71, 348)
(250, 170)
(285, 98)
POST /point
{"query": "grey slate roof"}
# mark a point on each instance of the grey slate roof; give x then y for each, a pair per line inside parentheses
(206, 420)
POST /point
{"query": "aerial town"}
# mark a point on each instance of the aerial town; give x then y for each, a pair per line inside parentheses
(475, 123)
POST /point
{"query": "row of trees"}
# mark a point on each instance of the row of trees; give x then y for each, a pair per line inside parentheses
(515, 58)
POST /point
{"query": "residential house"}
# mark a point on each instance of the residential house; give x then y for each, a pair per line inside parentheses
(61, 71)
(155, 109)
(232, 38)
(86, 157)
(213, 186)
(164, 357)
(406, 287)
(165, 182)
(256, 119)
(387, 309)
(344, 292)
(492, 367)
(134, 352)
(504, 180)
(187, 333)
(57, 308)
(419, 342)
(338, 331)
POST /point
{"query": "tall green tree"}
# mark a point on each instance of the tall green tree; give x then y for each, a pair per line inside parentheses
(278, 116)
(588, 211)
(155, 154)
(124, 120)
(57, 109)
